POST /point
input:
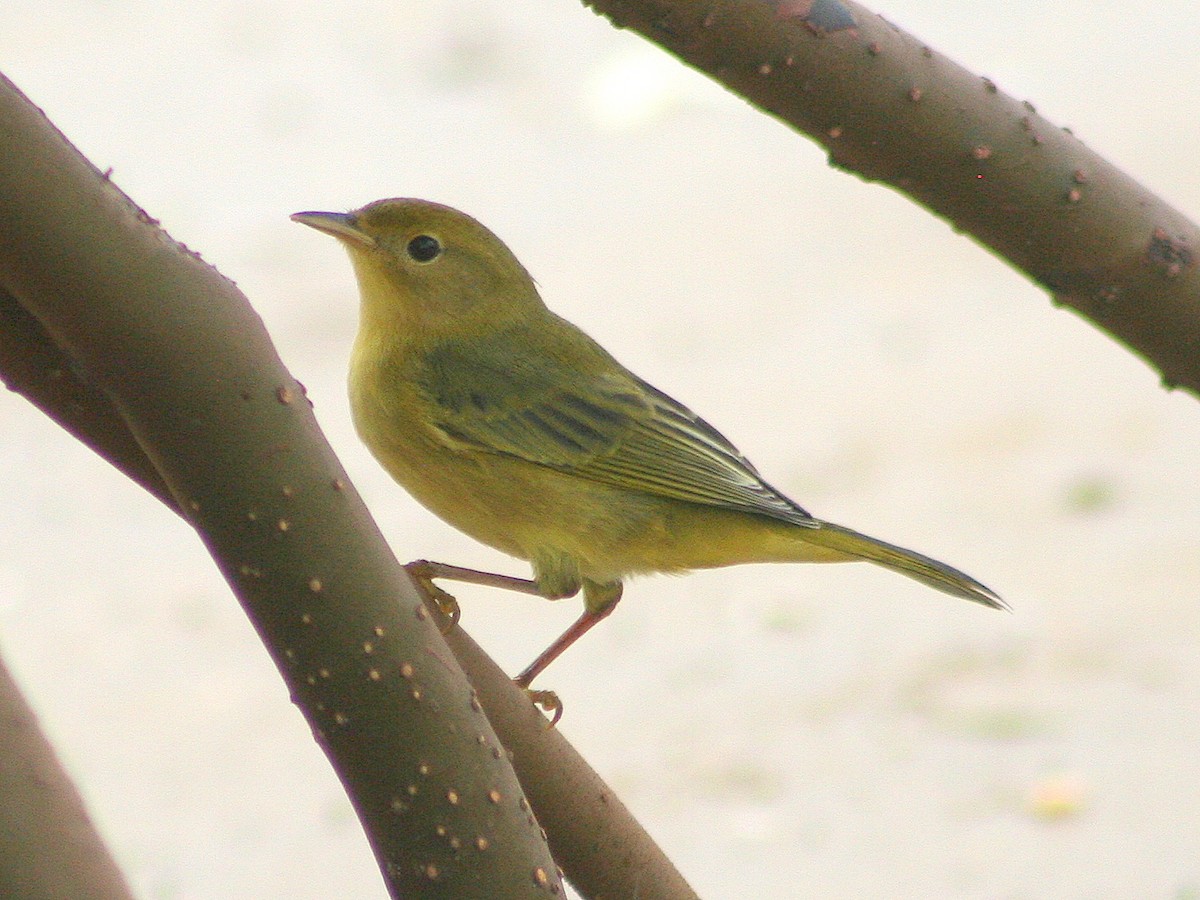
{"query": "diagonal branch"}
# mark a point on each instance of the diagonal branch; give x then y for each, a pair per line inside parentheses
(891, 109)
(190, 370)
(601, 847)
(48, 845)
(32, 365)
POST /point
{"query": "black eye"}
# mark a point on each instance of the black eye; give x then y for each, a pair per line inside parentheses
(424, 248)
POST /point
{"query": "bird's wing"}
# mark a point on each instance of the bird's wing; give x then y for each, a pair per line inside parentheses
(609, 427)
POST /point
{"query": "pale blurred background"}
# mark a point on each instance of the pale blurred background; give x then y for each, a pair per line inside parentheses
(782, 731)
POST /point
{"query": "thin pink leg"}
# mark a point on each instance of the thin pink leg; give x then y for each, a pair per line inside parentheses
(427, 571)
(581, 627)
(424, 571)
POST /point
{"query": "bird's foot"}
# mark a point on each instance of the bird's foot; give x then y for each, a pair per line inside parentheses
(422, 573)
(548, 702)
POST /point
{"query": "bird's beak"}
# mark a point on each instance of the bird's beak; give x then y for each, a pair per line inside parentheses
(343, 226)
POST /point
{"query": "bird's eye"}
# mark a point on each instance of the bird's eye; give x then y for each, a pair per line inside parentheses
(424, 248)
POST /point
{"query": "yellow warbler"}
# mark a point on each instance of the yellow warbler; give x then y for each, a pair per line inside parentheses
(517, 428)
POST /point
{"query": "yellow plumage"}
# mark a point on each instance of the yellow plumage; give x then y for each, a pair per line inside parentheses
(517, 428)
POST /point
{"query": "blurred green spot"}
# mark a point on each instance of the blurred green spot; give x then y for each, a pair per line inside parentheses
(1002, 724)
(1090, 494)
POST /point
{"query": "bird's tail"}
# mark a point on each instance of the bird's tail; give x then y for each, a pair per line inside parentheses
(915, 565)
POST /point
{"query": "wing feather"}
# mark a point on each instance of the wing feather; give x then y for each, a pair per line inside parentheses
(609, 427)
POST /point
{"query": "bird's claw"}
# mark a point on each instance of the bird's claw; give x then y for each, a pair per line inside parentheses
(548, 702)
(443, 600)
(448, 606)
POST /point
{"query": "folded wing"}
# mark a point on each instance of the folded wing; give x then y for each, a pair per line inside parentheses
(609, 427)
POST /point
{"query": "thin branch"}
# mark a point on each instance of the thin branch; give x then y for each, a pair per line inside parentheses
(32, 365)
(596, 840)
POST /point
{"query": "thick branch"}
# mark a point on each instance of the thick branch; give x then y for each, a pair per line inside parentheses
(601, 847)
(189, 368)
(603, 850)
(891, 109)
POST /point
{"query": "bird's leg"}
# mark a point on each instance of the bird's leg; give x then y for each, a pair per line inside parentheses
(599, 604)
(600, 600)
(423, 572)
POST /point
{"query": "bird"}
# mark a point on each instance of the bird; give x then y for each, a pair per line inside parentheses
(517, 428)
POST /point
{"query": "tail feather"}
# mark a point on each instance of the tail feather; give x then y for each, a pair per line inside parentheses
(907, 562)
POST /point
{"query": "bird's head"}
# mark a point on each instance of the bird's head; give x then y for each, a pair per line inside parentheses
(427, 268)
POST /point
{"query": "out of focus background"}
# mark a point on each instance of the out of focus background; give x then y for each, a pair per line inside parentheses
(782, 731)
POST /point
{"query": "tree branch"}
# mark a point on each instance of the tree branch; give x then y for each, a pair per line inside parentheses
(891, 109)
(603, 850)
(190, 370)
(32, 365)
(49, 848)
